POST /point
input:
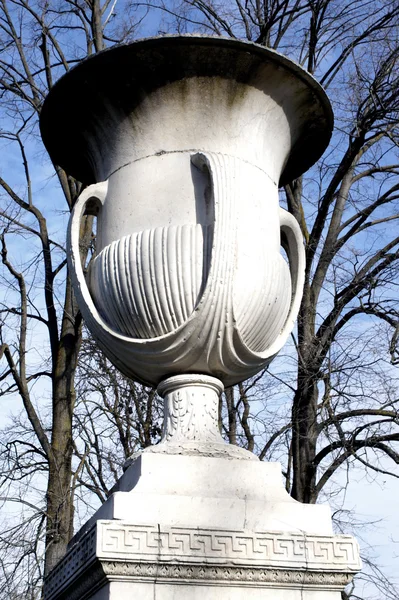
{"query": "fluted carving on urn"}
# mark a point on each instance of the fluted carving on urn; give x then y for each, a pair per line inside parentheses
(148, 284)
(230, 308)
(183, 142)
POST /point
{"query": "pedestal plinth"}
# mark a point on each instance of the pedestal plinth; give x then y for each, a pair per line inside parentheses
(195, 527)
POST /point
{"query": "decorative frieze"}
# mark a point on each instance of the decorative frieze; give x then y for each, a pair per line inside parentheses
(244, 547)
(239, 575)
(145, 552)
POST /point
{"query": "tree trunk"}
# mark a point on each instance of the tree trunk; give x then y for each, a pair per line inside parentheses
(59, 499)
(304, 437)
(304, 410)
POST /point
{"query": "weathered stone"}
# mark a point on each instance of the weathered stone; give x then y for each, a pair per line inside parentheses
(187, 139)
(181, 526)
(184, 141)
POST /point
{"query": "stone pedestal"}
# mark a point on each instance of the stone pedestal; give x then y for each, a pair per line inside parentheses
(188, 527)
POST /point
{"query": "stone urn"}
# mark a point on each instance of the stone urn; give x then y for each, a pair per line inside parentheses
(183, 142)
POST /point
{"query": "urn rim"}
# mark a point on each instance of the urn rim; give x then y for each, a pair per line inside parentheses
(62, 132)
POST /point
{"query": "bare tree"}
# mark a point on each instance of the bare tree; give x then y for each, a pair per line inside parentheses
(114, 418)
(347, 208)
(342, 385)
(344, 396)
(39, 41)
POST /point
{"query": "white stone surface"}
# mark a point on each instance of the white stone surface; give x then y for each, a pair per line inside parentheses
(121, 557)
(215, 297)
(210, 492)
(189, 291)
(178, 526)
(120, 590)
(191, 419)
(191, 409)
(189, 275)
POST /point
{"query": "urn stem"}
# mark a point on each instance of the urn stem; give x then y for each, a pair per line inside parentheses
(191, 405)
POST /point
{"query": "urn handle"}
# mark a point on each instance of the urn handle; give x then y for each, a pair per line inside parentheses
(292, 242)
(88, 203)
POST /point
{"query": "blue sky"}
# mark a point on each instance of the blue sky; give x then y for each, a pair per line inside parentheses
(374, 499)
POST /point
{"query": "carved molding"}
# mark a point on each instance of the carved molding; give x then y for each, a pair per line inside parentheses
(232, 575)
(107, 571)
(191, 409)
(221, 557)
(76, 560)
(218, 546)
(79, 587)
(191, 420)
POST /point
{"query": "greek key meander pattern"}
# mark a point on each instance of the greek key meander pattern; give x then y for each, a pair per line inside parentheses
(139, 551)
(246, 547)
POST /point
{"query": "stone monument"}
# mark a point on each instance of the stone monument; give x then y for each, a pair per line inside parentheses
(183, 142)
